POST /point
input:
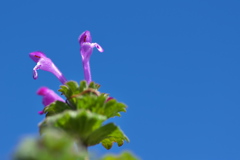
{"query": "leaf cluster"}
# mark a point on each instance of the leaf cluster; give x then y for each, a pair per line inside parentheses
(83, 114)
(123, 156)
(54, 144)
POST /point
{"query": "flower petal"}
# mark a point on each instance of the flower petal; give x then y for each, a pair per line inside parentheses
(86, 51)
(40, 112)
(100, 49)
(49, 96)
(85, 37)
(35, 74)
(109, 98)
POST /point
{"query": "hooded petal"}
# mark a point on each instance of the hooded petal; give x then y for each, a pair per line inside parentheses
(85, 37)
(85, 40)
(45, 64)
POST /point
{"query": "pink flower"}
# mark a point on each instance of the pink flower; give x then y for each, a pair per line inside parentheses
(49, 96)
(45, 64)
(86, 49)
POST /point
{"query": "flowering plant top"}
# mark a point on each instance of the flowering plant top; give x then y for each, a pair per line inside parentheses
(84, 109)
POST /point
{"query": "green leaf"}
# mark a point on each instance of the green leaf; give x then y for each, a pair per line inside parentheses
(55, 108)
(83, 86)
(64, 90)
(112, 108)
(73, 86)
(123, 156)
(101, 133)
(117, 136)
(53, 145)
(98, 104)
(86, 102)
(93, 85)
(79, 124)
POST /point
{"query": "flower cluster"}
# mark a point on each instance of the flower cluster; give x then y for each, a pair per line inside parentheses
(82, 114)
(46, 64)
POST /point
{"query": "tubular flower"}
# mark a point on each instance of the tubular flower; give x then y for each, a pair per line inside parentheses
(86, 49)
(45, 64)
(49, 96)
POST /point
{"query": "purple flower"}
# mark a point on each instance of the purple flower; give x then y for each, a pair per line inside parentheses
(109, 98)
(49, 96)
(86, 49)
(45, 64)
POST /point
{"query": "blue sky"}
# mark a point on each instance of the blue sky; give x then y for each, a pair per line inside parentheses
(174, 63)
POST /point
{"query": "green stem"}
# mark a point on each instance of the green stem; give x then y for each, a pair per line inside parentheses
(83, 149)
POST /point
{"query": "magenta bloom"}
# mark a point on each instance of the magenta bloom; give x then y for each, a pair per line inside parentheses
(45, 64)
(49, 96)
(109, 98)
(86, 49)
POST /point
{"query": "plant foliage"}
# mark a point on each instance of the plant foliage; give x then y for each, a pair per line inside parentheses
(83, 115)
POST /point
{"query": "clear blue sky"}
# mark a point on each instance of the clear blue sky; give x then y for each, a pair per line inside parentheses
(174, 63)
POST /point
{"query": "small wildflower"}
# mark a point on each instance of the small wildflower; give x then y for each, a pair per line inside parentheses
(45, 64)
(86, 49)
(49, 96)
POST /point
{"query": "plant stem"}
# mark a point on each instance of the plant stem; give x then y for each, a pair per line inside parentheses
(82, 149)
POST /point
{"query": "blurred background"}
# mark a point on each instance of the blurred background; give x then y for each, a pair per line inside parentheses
(174, 63)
